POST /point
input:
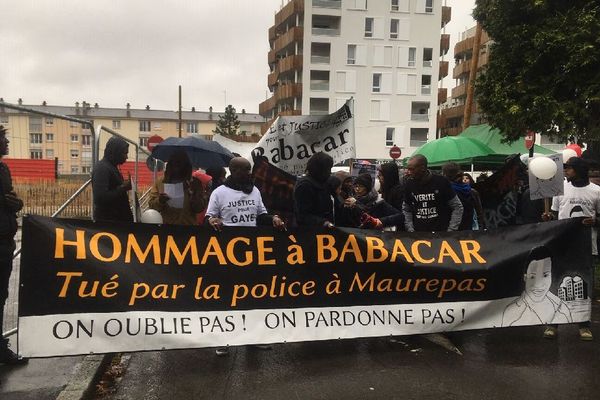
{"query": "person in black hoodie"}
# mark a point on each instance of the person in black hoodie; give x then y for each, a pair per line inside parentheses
(10, 204)
(111, 202)
(313, 204)
(390, 187)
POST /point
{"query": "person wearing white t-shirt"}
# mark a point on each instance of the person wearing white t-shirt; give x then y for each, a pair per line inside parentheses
(581, 198)
(238, 203)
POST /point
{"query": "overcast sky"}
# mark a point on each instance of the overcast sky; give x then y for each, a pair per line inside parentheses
(138, 51)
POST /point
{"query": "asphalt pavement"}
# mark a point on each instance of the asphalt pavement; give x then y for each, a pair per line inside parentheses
(506, 363)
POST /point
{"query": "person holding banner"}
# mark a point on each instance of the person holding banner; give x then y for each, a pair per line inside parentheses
(313, 204)
(369, 211)
(10, 204)
(111, 202)
(430, 204)
(238, 203)
(581, 198)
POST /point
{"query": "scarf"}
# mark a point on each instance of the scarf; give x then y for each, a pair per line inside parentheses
(463, 188)
(246, 187)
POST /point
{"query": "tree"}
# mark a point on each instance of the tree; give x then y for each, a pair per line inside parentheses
(228, 124)
(544, 69)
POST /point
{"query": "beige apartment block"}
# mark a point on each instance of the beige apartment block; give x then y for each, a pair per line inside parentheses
(39, 137)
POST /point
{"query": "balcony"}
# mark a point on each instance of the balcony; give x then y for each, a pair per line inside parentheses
(319, 80)
(319, 106)
(419, 111)
(451, 131)
(288, 91)
(266, 125)
(444, 43)
(446, 15)
(453, 112)
(464, 47)
(295, 34)
(425, 89)
(442, 95)
(326, 25)
(320, 53)
(284, 65)
(419, 117)
(443, 69)
(461, 69)
(334, 4)
(289, 10)
(459, 91)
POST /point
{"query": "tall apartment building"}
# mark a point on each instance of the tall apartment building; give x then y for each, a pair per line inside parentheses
(385, 54)
(39, 137)
(451, 114)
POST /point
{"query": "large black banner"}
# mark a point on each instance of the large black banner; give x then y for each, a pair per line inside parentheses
(100, 287)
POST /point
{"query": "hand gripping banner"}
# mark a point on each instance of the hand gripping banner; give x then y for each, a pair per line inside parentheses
(110, 287)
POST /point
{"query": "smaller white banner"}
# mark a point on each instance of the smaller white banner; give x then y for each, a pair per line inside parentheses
(55, 335)
(291, 141)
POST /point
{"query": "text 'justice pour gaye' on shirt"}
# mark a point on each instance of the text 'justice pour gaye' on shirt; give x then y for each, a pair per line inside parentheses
(579, 202)
(429, 203)
(235, 207)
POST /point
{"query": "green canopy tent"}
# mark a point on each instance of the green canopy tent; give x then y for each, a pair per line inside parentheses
(493, 139)
(462, 150)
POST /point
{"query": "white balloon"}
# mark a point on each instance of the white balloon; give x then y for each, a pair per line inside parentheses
(542, 168)
(568, 153)
(151, 216)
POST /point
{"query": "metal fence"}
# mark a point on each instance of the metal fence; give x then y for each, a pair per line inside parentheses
(74, 200)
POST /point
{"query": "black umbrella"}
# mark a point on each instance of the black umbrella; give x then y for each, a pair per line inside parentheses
(202, 153)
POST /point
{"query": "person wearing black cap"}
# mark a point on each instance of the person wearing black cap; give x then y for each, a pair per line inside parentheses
(580, 199)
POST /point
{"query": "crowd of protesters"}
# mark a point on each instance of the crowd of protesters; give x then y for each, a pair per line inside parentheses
(415, 201)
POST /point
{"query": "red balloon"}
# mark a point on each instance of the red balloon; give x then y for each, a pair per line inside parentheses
(576, 148)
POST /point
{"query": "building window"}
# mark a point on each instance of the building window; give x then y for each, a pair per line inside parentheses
(74, 169)
(35, 124)
(74, 153)
(74, 138)
(400, 5)
(144, 142)
(407, 83)
(427, 57)
(192, 127)
(116, 124)
(394, 23)
(35, 138)
(351, 54)
(86, 170)
(419, 111)
(49, 137)
(412, 56)
(73, 124)
(369, 27)
(145, 126)
(35, 154)
(418, 136)
(428, 6)
(86, 140)
(49, 121)
(426, 84)
(358, 4)
(389, 136)
(3, 119)
(49, 153)
(376, 83)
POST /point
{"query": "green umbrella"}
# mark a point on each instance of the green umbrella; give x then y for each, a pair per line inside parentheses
(453, 148)
(493, 138)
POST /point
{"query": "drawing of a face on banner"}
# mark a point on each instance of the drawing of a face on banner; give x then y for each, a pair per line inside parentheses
(537, 305)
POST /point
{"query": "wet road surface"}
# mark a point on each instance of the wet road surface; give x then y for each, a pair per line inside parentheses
(509, 363)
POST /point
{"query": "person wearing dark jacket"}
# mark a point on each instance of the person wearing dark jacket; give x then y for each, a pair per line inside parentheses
(369, 211)
(10, 204)
(390, 187)
(313, 204)
(111, 201)
(463, 190)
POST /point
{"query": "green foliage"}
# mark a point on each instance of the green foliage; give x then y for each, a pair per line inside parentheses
(544, 70)
(228, 124)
